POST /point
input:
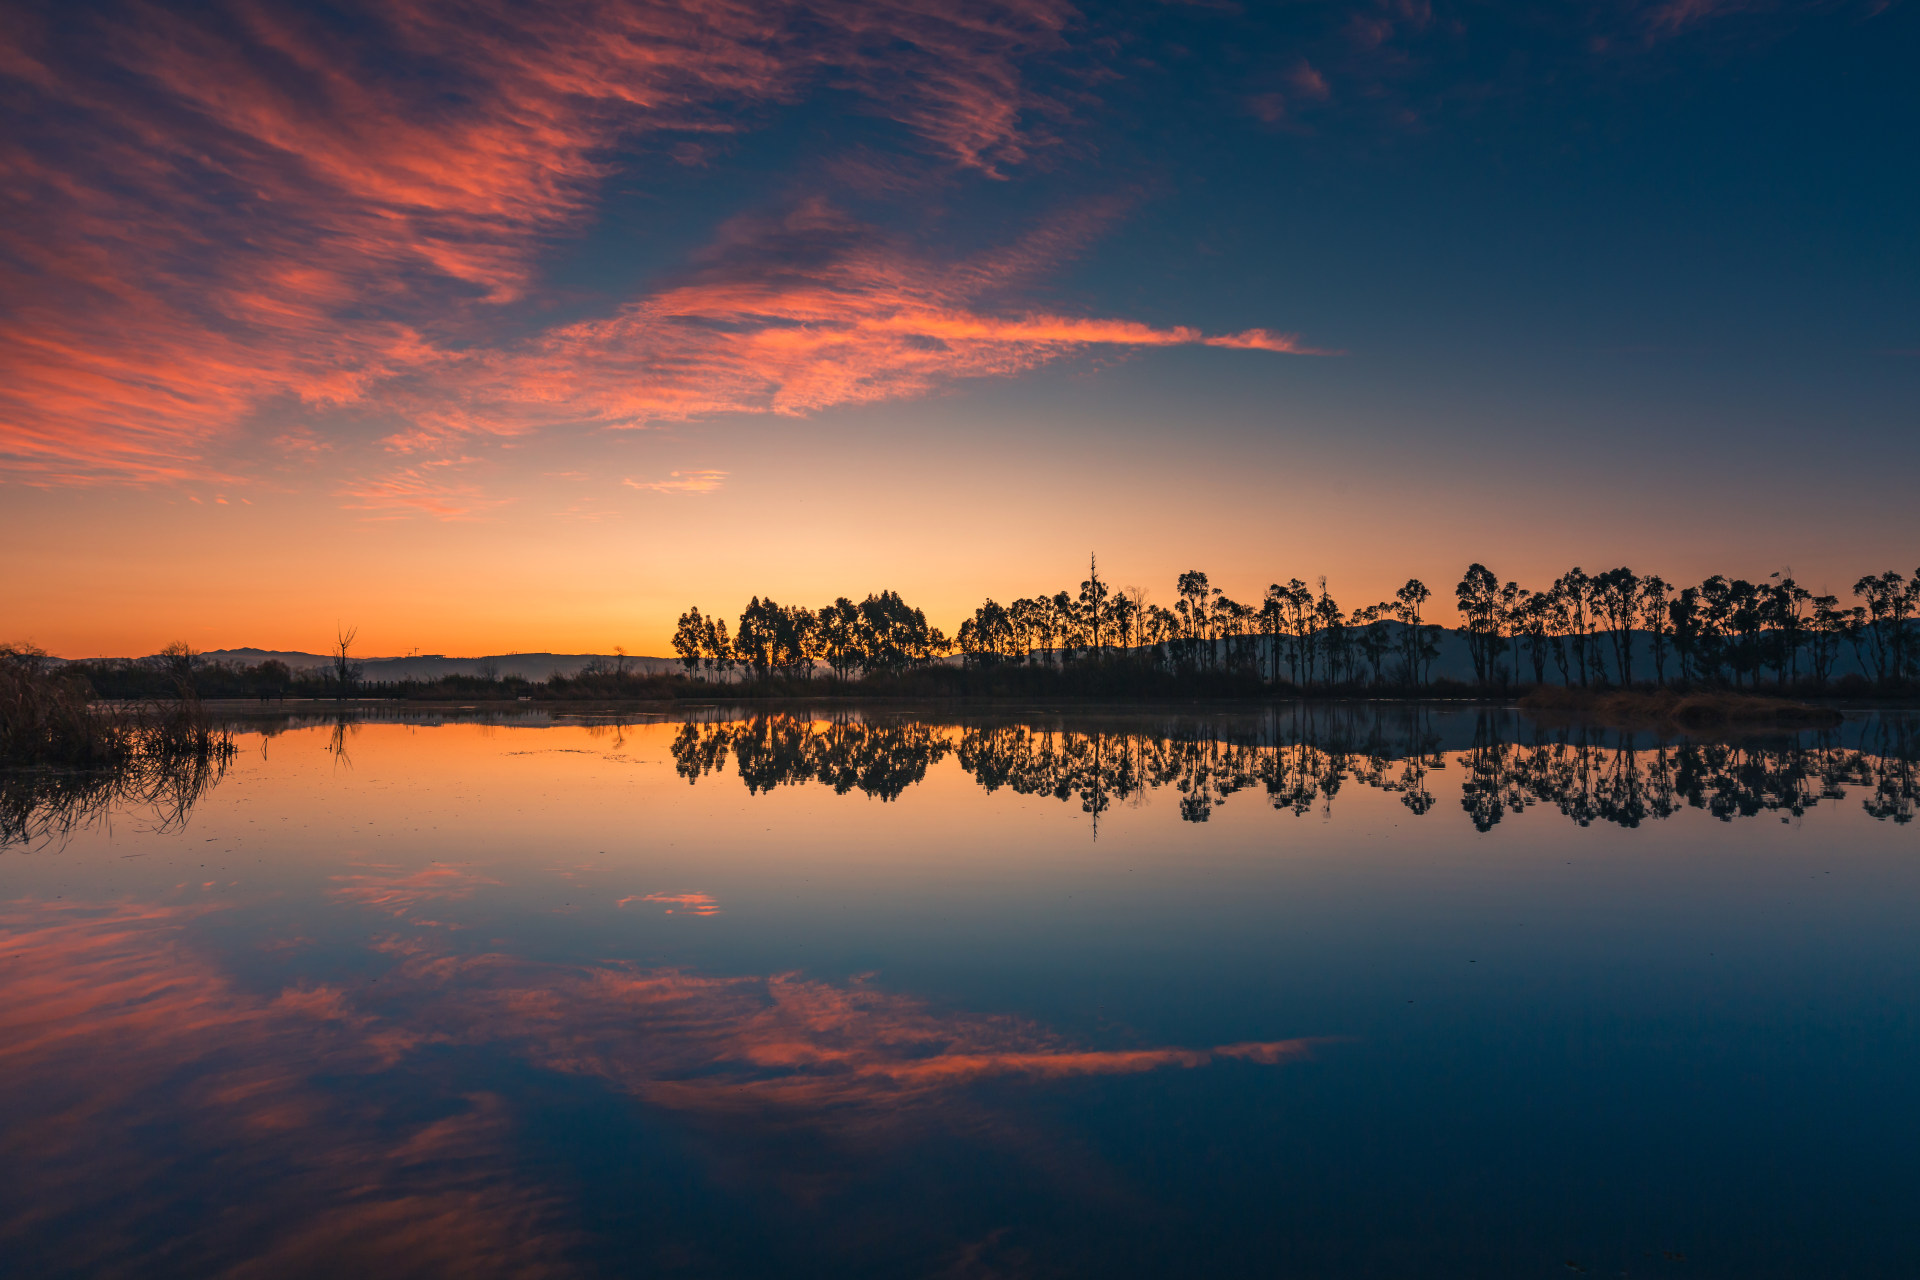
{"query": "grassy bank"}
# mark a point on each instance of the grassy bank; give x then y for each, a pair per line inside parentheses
(49, 716)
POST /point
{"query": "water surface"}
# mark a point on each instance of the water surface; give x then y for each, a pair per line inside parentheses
(1345, 991)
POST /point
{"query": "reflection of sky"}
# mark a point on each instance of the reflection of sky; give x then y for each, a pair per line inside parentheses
(114, 1019)
(497, 296)
(433, 1007)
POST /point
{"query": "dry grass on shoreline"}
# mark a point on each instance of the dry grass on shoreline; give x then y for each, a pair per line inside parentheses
(48, 718)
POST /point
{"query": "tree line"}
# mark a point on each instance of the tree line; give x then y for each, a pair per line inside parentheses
(1591, 628)
(881, 634)
(1614, 629)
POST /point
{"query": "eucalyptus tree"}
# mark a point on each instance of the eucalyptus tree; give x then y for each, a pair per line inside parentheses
(997, 630)
(894, 636)
(758, 641)
(1855, 631)
(1909, 665)
(1784, 615)
(1616, 605)
(1688, 625)
(1655, 621)
(796, 633)
(987, 639)
(973, 646)
(717, 648)
(1512, 626)
(1715, 620)
(1273, 626)
(688, 636)
(1575, 590)
(1557, 620)
(1889, 599)
(1304, 626)
(1025, 617)
(1414, 641)
(1332, 626)
(1239, 624)
(1135, 610)
(1192, 607)
(1533, 615)
(1066, 624)
(1091, 605)
(1825, 630)
(837, 626)
(1161, 630)
(1372, 636)
(1123, 615)
(1746, 619)
(1045, 622)
(1478, 598)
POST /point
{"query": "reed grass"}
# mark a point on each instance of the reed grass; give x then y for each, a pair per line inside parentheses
(48, 717)
(66, 757)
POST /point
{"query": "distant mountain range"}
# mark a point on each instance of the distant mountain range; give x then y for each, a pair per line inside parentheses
(431, 666)
(1452, 662)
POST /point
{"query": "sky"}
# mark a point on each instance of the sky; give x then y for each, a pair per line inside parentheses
(484, 327)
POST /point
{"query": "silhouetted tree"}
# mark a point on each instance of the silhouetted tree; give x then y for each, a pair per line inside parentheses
(1575, 591)
(1615, 596)
(345, 670)
(1825, 631)
(1888, 600)
(1478, 599)
(1092, 602)
(1655, 620)
(1193, 608)
(689, 638)
(1534, 611)
(1417, 646)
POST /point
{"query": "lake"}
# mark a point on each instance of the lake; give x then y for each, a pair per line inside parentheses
(1336, 990)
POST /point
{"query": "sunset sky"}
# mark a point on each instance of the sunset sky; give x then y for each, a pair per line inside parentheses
(493, 327)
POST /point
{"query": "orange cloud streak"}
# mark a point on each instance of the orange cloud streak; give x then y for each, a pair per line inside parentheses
(790, 317)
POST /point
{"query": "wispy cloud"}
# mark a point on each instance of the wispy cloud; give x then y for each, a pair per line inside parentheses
(682, 482)
(402, 893)
(696, 904)
(426, 489)
(791, 316)
(251, 203)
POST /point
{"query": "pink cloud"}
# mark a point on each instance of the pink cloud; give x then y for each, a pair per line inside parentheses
(697, 904)
(793, 316)
(113, 1020)
(399, 893)
(1307, 82)
(242, 206)
(427, 489)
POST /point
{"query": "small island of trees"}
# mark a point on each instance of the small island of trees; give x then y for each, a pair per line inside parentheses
(1615, 629)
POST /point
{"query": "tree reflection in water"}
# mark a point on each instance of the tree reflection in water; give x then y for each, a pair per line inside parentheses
(39, 806)
(1299, 758)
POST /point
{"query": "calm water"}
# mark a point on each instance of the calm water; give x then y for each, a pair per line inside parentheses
(1407, 993)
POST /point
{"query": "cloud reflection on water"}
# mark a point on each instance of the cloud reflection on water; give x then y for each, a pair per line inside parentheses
(149, 1082)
